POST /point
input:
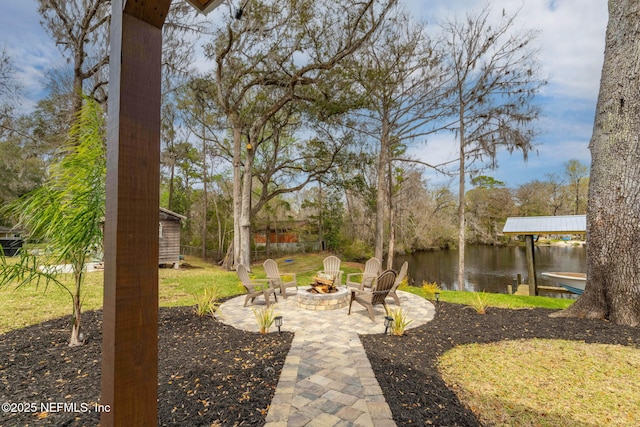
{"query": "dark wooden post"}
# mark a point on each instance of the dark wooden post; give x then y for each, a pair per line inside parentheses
(531, 265)
(130, 325)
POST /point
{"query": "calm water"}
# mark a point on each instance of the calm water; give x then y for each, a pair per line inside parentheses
(489, 268)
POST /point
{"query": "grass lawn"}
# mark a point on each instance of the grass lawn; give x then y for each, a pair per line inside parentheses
(34, 303)
(493, 300)
(515, 382)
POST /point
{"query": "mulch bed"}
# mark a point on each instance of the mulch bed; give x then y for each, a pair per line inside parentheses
(406, 366)
(209, 373)
(213, 374)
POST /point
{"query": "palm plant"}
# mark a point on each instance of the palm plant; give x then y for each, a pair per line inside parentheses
(66, 214)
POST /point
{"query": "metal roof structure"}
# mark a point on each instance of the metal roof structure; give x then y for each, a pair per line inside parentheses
(562, 224)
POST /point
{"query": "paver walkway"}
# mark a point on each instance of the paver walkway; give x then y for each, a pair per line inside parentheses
(327, 379)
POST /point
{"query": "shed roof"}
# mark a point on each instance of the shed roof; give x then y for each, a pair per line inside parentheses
(173, 214)
(546, 224)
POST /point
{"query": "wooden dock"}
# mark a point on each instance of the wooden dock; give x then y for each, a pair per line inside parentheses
(523, 289)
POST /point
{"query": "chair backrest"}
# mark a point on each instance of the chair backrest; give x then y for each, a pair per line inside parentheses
(271, 269)
(401, 275)
(371, 270)
(372, 267)
(332, 265)
(383, 286)
(243, 274)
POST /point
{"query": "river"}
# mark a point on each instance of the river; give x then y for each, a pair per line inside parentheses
(490, 268)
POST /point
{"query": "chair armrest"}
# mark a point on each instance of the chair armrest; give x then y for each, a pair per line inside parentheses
(259, 284)
(339, 277)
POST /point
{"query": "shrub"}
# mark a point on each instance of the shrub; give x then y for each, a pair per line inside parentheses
(480, 302)
(400, 321)
(430, 289)
(207, 302)
(265, 318)
(356, 250)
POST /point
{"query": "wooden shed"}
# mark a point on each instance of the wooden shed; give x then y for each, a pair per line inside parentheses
(169, 233)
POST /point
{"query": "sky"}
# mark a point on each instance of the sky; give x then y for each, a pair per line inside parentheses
(571, 52)
(571, 45)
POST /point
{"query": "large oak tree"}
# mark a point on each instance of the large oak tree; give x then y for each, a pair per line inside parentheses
(276, 54)
(613, 214)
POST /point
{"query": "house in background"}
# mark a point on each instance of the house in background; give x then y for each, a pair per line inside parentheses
(284, 236)
(169, 231)
(10, 241)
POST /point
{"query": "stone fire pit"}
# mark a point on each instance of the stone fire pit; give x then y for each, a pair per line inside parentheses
(322, 301)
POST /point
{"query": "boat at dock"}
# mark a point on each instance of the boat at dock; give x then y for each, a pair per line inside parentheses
(573, 282)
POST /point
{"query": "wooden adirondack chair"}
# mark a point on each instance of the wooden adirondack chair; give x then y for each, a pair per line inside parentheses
(279, 281)
(366, 278)
(255, 287)
(399, 278)
(377, 294)
(332, 267)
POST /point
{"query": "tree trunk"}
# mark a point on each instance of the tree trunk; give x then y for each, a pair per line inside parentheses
(227, 262)
(204, 190)
(392, 217)
(267, 243)
(219, 222)
(75, 339)
(76, 317)
(613, 217)
(320, 219)
(171, 180)
(245, 212)
(577, 211)
(237, 195)
(381, 199)
(392, 238)
(461, 211)
(77, 81)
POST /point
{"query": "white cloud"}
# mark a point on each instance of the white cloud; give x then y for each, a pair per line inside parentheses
(571, 43)
(571, 36)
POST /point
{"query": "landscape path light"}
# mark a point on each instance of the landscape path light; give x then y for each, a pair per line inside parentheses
(387, 323)
(278, 320)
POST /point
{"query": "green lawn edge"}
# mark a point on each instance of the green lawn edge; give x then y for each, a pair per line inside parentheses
(33, 303)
